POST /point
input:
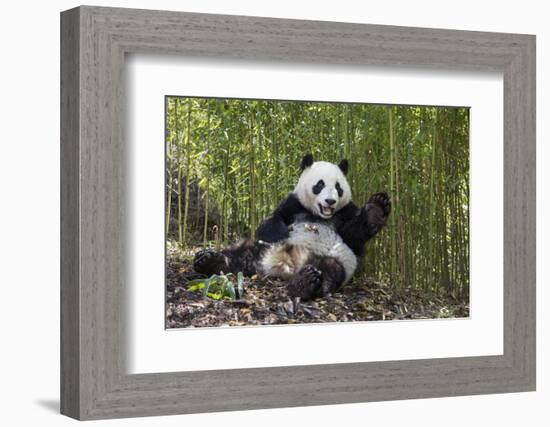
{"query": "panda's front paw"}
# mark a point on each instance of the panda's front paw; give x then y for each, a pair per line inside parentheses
(381, 201)
(376, 212)
(306, 283)
(209, 261)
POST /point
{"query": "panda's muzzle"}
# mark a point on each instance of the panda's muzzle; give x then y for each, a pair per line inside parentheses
(326, 211)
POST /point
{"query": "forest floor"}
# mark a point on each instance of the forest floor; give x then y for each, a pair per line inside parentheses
(265, 302)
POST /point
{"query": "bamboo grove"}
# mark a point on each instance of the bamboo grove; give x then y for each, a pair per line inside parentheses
(229, 162)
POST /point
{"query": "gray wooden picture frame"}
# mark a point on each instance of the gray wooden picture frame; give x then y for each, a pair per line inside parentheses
(94, 382)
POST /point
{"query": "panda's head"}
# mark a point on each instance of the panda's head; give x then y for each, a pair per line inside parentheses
(323, 188)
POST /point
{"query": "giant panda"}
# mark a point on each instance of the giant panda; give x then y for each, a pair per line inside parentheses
(313, 239)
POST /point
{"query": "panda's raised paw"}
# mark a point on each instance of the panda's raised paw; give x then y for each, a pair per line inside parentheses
(209, 261)
(305, 284)
(375, 213)
(382, 201)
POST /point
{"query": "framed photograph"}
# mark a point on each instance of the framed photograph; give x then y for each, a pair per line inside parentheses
(278, 213)
(259, 233)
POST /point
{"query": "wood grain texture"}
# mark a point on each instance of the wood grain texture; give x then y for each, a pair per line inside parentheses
(70, 258)
(94, 269)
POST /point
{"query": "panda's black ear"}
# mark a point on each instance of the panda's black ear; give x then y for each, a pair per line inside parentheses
(343, 165)
(306, 162)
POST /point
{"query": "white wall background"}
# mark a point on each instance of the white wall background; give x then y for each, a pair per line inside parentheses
(29, 225)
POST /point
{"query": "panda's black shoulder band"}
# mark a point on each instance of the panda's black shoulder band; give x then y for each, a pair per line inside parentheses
(275, 227)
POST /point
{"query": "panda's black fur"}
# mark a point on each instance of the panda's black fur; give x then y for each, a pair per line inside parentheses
(315, 247)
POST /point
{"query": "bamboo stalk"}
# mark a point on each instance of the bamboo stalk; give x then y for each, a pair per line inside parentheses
(187, 172)
(180, 173)
(207, 192)
(431, 262)
(169, 178)
(251, 177)
(392, 184)
(223, 232)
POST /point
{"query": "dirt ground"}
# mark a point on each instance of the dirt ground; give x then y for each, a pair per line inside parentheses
(265, 302)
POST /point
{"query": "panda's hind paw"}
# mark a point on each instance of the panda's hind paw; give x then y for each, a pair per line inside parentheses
(306, 283)
(209, 261)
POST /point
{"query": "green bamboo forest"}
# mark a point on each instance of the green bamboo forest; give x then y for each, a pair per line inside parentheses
(230, 161)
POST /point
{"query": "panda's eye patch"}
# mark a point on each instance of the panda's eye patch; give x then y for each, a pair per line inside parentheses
(318, 187)
(339, 189)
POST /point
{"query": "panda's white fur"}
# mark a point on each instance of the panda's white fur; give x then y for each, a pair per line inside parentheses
(287, 257)
(306, 238)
